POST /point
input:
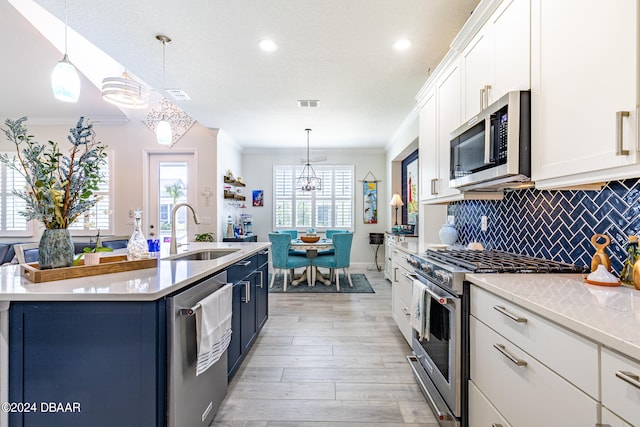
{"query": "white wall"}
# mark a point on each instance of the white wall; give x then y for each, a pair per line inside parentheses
(229, 158)
(128, 144)
(257, 166)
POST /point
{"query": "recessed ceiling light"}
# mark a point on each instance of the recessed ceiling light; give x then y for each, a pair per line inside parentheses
(268, 45)
(402, 44)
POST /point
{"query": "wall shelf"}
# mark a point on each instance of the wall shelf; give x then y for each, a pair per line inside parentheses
(233, 182)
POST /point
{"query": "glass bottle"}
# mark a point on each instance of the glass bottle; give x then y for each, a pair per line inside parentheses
(632, 256)
(137, 247)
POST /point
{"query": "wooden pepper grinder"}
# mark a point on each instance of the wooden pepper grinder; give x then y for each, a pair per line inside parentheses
(600, 256)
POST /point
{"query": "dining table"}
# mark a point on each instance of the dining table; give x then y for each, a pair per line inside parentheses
(311, 250)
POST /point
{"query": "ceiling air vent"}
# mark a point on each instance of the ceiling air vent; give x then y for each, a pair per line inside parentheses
(311, 103)
(179, 94)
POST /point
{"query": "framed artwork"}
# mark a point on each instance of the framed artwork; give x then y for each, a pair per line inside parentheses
(370, 189)
(258, 198)
(410, 188)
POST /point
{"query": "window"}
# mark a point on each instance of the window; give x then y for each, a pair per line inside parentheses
(99, 216)
(11, 222)
(331, 207)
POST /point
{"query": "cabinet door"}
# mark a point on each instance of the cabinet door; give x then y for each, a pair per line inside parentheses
(511, 45)
(478, 72)
(481, 412)
(248, 326)
(609, 419)
(262, 296)
(428, 146)
(448, 100)
(584, 70)
(106, 359)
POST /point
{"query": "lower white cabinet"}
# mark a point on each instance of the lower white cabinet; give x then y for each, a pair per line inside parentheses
(609, 419)
(526, 392)
(481, 412)
(620, 386)
(401, 292)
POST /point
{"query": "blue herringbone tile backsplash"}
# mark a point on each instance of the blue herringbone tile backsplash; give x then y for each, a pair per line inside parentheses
(554, 224)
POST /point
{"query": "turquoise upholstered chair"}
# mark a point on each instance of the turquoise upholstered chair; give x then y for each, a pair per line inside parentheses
(340, 259)
(293, 233)
(282, 259)
(329, 235)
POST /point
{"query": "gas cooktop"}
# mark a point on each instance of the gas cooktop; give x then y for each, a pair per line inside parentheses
(494, 261)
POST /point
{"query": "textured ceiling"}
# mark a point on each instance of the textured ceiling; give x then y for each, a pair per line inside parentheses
(337, 51)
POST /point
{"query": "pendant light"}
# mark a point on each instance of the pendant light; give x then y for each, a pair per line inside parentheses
(308, 181)
(125, 92)
(164, 134)
(65, 81)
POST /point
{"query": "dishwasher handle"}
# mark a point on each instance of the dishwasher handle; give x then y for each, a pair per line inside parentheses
(192, 310)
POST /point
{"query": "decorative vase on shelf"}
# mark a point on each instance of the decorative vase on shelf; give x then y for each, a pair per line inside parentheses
(448, 234)
(55, 249)
(137, 247)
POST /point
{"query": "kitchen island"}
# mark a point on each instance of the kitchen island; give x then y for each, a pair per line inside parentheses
(93, 351)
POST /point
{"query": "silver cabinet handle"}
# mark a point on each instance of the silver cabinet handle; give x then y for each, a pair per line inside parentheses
(496, 425)
(482, 99)
(243, 263)
(434, 190)
(502, 349)
(511, 316)
(247, 291)
(629, 377)
(261, 277)
(406, 311)
(395, 274)
(264, 252)
(619, 116)
(487, 89)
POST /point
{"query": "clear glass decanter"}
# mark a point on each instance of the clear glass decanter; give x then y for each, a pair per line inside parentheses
(137, 247)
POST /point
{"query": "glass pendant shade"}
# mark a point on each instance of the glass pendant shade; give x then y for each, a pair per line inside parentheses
(125, 92)
(65, 81)
(308, 181)
(163, 133)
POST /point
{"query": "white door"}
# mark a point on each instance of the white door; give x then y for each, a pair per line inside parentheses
(172, 180)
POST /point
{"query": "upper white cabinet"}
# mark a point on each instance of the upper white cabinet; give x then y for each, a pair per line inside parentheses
(584, 85)
(497, 59)
(428, 147)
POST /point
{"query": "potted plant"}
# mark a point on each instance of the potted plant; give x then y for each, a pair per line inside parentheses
(60, 186)
(91, 256)
(204, 237)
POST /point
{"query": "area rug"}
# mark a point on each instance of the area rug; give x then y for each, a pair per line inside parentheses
(360, 286)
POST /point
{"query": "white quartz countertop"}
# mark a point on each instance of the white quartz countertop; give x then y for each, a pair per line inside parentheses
(607, 315)
(147, 284)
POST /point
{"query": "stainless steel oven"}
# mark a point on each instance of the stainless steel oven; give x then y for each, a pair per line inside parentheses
(440, 361)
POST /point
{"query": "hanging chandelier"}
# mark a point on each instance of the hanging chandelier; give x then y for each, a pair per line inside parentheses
(308, 181)
(125, 92)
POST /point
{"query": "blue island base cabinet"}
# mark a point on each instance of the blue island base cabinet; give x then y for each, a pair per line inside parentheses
(87, 364)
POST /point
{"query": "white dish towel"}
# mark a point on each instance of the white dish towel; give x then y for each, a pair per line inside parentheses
(420, 310)
(213, 327)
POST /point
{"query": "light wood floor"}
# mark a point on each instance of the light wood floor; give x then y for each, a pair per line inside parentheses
(327, 360)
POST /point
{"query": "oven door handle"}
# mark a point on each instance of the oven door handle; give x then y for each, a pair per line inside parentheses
(443, 299)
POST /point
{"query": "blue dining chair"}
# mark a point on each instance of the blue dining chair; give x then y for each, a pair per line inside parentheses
(340, 259)
(284, 260)
(329, 235)
(294, 236)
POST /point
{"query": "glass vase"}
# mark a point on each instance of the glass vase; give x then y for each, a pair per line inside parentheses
(137, 247)
(55, 249)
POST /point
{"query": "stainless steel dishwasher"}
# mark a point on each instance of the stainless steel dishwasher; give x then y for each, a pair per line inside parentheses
(192, 400)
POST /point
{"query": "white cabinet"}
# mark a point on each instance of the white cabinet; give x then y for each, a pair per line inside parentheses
(481, 412)
(524, 390)
(497, 59)
(428, 147)
(621, 385)
(388, 269)
(584, 85)
(611, 420)
(401, 292)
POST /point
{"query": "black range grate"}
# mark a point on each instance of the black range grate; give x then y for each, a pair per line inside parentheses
(492, 261)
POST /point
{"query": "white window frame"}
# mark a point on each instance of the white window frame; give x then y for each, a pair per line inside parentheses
(313, 197)
(4, 194)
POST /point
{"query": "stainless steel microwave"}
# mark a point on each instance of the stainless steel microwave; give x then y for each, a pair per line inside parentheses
(493, 149)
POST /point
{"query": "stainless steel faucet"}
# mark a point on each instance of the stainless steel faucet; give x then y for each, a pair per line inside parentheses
(173, 249)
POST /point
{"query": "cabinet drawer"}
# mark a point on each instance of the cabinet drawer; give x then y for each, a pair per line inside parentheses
(402, 259)
(242, 269)
(481, 412)
(530, 394)
(402, 316)
(620, 390)
(572, 356)
(404, 286)
(609, 419)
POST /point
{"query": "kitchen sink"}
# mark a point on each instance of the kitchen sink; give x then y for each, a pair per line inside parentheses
(202, 255)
